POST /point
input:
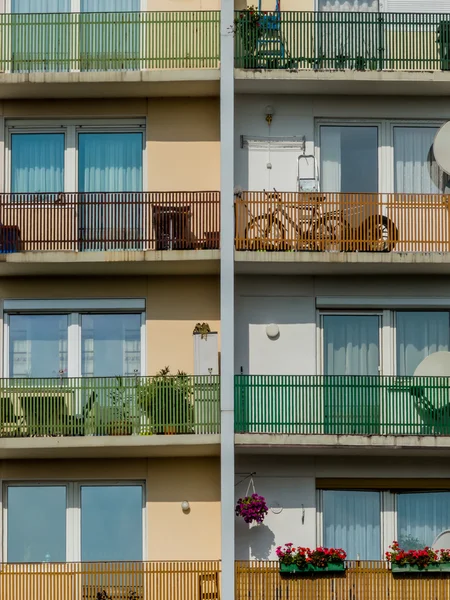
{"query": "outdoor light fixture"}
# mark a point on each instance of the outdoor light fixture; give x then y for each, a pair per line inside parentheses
(185, 506)
(269, 114)
(272, 331)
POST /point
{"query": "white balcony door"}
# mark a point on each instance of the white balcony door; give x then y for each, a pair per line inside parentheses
(351, 347)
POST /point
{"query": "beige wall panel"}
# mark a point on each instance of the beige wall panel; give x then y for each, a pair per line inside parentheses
(46, 470)
(286, 5)
(183, 5)
(195, 535)
(123, 107)
(174, 306)
(183, 144)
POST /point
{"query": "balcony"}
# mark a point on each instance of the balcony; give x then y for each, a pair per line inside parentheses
(391, 49)
(99, 231)
(85, 414)
(111, 581)
(329, 230)
(342, 411)
(362, 579)
(94, 50)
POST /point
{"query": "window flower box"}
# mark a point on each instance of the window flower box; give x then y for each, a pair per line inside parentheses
(416, 570)
(309, 569)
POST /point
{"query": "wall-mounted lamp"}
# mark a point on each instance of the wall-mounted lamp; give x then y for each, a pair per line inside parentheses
(269, 114)
(185, 506)
(272, 331)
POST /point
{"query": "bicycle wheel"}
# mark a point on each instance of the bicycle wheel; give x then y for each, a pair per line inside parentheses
(379, 234)
(263, 233)
(331, 234)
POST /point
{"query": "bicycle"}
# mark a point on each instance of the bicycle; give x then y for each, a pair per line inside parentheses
(320, 231)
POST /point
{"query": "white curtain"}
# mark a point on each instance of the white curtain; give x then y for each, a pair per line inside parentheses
(351, 345)
(421, 517)
(416, 171)
(419, 334)
(349, 5)
(330, 144)
(110, 5)
(40, 6)
(351, 520)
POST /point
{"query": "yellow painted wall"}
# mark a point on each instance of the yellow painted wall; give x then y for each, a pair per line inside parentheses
(291, 5)
(183, 4)
(171, 534)
(174, 306)
(183, 134)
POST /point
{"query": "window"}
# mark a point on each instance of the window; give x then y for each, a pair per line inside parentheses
(361, 521)
(44, 523)
(351, 520)
(348, 5)
(46, 344)
(37, 162)
(349, 159)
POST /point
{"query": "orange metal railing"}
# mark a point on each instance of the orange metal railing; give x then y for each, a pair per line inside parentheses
(104, 221)
(199, 580)
(363, 580)
(290, 221)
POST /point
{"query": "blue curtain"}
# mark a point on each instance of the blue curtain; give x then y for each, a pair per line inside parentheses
(40, 6)
(421, 517)
(351, 520)
(37, 162)
(110, 162)
(110, 5)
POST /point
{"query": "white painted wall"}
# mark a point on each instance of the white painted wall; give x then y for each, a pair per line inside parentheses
(289, 483)
(294, 116)
(290, 302)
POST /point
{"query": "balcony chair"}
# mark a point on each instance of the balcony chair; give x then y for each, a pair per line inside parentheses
(436, 421)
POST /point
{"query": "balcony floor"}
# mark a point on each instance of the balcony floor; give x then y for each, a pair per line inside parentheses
(341, 263)
(131, 446)
(118, 84)
(344, 445)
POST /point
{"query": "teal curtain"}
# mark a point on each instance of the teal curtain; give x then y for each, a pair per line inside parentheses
(351, 360)
(41, 35)
(108, 41)
(110, 163)
(37, 162)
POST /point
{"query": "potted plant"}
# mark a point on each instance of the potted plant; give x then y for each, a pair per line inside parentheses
(414, 562)
(252, 508)
(247, 28)
(303, 561)
(166, 401)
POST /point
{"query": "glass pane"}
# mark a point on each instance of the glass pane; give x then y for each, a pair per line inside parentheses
(37, 162)
(416, 170)
(38, 345)
(421, 518)
(351, 520)
(418, 335)
(36, 524)
(349, 159)
(40, 6)
(111, 523)
(349, 5)
(110, 5)
(111, 345)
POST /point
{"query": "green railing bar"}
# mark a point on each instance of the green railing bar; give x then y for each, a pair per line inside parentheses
(131, 405)
(109, 41)
(361, 41)
(342, 405)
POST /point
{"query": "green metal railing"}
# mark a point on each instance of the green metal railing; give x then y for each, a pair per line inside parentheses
(109, 41)
(179, 404)
(342, 405)
(361, 41)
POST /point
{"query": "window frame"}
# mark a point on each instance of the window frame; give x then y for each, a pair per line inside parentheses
(73, 510)
(75, 6)
(97, 306)
(386, 175)
(71, 128)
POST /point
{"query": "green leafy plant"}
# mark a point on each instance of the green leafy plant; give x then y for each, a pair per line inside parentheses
(166, 401)
(247, 28)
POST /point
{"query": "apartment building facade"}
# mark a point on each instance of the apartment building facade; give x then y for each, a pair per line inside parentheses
(191, 189)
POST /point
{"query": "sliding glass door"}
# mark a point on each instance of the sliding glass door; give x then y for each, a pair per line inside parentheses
(110, 41)
(351, 360)
(110, 179)
(41, 35)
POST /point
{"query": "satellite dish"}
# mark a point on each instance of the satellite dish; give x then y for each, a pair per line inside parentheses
(441, 147)
(434, 365)
(442, 540)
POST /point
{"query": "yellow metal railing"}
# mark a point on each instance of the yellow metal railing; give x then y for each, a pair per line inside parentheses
(327, 222)
(363, 580)
(199, 580)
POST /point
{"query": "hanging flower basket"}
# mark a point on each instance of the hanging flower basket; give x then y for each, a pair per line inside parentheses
(252, 508)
